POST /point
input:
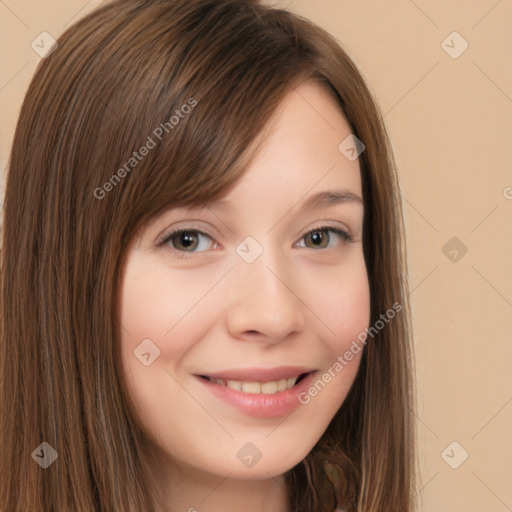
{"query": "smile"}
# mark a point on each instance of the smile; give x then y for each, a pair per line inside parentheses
(266, 388)
(259, 393)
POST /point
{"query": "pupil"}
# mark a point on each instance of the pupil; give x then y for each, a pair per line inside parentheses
(187, 240)
(317, 237)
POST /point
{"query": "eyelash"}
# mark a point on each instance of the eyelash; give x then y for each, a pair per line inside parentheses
(185, 254)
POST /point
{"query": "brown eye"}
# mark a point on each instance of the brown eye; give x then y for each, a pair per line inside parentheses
(319, 238)
(185, 240)
(188, 240)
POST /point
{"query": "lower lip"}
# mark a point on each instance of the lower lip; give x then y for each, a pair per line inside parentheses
(259, 405)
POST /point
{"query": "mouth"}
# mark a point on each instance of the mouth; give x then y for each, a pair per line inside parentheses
(262, 393)
(256, 387)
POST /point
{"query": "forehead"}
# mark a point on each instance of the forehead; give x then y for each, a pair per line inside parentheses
(297, 168)
(301, 151)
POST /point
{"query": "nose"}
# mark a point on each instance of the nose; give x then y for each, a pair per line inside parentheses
(264, 302)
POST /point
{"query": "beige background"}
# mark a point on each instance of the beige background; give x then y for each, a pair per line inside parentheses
(450, 120)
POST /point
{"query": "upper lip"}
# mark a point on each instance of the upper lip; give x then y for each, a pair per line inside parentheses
(258, 374)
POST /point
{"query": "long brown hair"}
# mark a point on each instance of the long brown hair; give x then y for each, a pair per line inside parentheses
(116, 80)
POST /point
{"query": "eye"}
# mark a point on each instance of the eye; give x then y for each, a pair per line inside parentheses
(187, 241)
(320, 237)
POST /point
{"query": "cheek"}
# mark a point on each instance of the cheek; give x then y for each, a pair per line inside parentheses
(341, 301)
(161, 320)
(155, 308)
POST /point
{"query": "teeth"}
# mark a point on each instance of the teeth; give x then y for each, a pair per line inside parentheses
(251, 387)
(234, 384)
(281, 385)
(291, 382)
(269, 388)
(255, 388)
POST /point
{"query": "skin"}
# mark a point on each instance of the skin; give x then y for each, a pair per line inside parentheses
(297, 303)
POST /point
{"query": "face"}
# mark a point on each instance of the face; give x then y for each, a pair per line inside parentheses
(233, 326)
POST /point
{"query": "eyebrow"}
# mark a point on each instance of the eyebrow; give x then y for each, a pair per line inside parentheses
(330, 198)
(319, 200)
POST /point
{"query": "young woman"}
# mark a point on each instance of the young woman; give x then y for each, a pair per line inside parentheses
(204, 293)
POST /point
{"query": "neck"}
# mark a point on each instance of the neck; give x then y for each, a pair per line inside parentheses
(226, 495)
